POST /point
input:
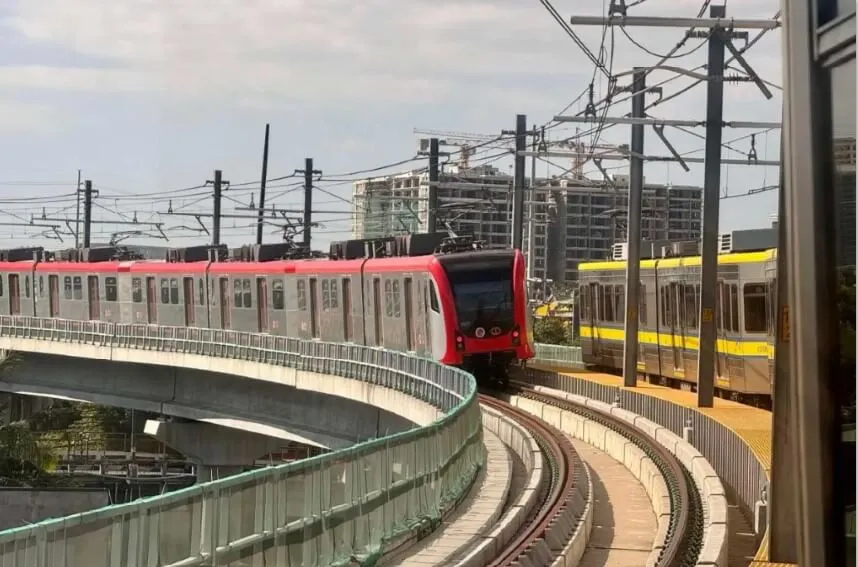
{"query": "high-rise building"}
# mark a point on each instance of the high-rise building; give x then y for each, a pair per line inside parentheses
(572, 220)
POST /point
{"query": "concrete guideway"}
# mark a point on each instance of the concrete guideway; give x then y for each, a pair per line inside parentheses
(349, 503)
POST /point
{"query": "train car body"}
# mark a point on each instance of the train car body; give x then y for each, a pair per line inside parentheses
(466, 308)
(669, 319)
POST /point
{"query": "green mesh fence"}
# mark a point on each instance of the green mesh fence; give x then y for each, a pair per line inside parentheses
(335, 509)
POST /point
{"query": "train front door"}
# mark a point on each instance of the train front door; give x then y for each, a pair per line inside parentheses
(676, 307)
(262, 304)
(151, 301)
(593, 315)
(94, 303)
(14, 295)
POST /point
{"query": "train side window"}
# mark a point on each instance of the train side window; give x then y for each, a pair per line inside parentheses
(110, 291)
(754, 297)
(202, 292)
(642, 305)
(137, 290)
(67, 287)
(174, 291)
(397, 300)
(77, 287)
(277, 296)
(302, 295)
(236, 291)
(433, 298)
(247, 292)
(1, 285)
(388, 298)
(335, 304)
(165, 291)
(26, 286)
(326, 296)
(41, 286)
(619, 302)
(734, 308)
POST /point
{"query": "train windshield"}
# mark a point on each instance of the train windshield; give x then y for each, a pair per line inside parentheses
(484, 299)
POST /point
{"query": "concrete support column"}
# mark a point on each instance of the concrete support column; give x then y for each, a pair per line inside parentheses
(217, 451)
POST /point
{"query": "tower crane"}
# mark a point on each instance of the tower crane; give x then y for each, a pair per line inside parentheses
(467, 142)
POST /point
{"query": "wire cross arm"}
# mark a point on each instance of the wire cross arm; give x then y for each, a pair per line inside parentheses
(667, 122)
(668, 22)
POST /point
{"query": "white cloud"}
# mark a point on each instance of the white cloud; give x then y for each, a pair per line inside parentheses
(412, 50)
(17, 117)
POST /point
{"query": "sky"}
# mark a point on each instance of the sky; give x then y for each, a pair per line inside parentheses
(148, 97)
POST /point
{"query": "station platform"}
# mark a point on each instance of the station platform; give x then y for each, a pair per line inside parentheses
(752, 425)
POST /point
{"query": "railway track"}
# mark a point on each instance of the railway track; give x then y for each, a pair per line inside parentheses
(552, 521)
(683, 541)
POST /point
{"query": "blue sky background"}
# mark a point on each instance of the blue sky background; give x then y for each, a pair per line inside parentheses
(148, 97)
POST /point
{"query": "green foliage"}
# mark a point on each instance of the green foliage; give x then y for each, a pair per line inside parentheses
(23, 459)
(553, 331)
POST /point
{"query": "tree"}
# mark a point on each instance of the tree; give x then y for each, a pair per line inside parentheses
(552, 331)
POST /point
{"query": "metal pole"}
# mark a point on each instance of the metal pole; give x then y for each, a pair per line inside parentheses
(518, 185)
(308, 200)
(531, 208)
(87, 212)
(633, 233)
(809, 184)
(218, 179)
(782, 487)
(77, 212)
(669, 22)
(753, 125)
(711, 197)
(432, 204)
(262, 187)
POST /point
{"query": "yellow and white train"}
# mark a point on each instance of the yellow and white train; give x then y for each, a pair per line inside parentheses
(669, 326)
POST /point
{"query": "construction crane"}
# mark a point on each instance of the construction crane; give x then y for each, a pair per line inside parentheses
(466, 142)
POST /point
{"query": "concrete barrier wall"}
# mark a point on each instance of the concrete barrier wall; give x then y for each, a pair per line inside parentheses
(712, 495)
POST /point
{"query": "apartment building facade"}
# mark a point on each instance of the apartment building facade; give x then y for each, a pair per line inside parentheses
(572, 220)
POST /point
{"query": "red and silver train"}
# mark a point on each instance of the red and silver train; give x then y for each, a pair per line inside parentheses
(462, 308)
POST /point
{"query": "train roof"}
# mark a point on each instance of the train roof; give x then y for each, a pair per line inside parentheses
(680, 261)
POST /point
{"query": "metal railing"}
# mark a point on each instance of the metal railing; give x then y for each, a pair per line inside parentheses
(329, 509)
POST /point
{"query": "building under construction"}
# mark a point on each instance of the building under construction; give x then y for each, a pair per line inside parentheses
(573, 220)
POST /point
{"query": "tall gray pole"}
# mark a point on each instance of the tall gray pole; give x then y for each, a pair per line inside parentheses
(87, 212)
(218, 186)
(432, 204)
(781, 506)
(633, 232)
(711, 197)
(531, 209)
(518, 184)
(77, 212)
(308, 201)
(262, 184)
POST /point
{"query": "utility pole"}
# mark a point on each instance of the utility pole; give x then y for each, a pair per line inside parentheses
(531, 208)
(432, 205)
(518, 182)
(262, 187)
(218, 187)
(87, 212)
(633, 231)
(711, 204)
(308, 172)
(77, 212)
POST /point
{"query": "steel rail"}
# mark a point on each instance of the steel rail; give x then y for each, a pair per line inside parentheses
(684, 536)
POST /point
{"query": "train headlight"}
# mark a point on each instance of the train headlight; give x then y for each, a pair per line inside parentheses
(460, 342)
(516, 336)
